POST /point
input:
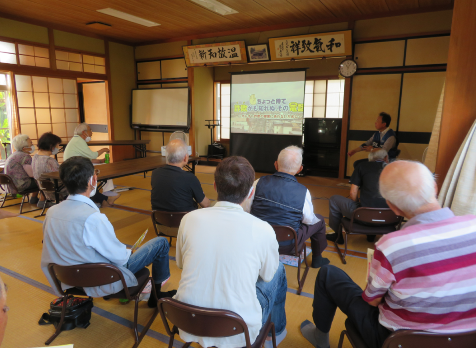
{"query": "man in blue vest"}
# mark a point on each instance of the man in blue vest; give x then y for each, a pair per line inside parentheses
(384, 138)
(280, 200)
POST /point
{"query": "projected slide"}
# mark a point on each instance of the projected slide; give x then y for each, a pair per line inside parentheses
(268, 103)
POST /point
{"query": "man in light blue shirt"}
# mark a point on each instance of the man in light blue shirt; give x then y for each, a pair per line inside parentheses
(75, 232)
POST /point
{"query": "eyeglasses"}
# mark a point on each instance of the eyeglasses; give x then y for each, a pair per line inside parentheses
(97, 171)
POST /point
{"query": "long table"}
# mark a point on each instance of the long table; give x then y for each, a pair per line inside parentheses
(122, 168)
(139, 145)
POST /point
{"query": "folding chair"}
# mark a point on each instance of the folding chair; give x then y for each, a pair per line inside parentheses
(411, 339)
(368, 221)
(97, 274)
(7, 185)
(284, 234)
(46, 186)
(208, 322)
(167, 219)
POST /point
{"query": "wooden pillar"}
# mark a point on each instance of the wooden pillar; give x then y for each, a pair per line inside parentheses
(459, 108)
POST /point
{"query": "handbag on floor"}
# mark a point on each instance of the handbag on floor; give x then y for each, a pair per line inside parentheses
(78, 313)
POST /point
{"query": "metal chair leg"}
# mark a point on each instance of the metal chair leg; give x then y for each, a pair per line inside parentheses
(341, 255)
(273, 335)
(301, 281)
(139, 338)
(60, 324)
(21, 205)
(341, 339)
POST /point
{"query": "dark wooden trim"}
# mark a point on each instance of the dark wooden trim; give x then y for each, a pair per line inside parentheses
(110, 118)
(158, 58)
(403, 69)
(23, 42)
(88, 53)
(403, 36)
(48, 72)
(191, 85)
(149, 82)
(345, 126)
(51, 47)
(299, 24)
(326, 77)
(62, 28)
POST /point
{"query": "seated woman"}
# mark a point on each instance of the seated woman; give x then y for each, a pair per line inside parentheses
(18, 166)
(48, 145)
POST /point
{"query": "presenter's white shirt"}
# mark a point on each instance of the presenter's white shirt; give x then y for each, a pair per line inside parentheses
(222, 251)
(308, 216)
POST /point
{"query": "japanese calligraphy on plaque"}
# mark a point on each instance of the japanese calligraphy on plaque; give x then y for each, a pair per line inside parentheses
(311, 46)
(215, 54)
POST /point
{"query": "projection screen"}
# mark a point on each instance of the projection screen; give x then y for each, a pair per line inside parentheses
(268, 103)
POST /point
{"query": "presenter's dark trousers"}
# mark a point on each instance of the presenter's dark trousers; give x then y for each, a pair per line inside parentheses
(333, 289)
(316, 232)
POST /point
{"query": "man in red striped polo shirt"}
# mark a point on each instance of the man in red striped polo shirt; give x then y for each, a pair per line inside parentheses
(422, 277)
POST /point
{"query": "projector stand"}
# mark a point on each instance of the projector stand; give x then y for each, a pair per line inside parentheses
(211, 150)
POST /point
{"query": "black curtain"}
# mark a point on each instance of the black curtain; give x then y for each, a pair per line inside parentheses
(261, 150)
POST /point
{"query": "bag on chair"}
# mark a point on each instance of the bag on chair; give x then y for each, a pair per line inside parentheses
(78, 313)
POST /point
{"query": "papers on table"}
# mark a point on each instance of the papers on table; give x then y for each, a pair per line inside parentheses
(139, 241)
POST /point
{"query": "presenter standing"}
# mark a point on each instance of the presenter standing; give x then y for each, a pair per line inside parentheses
(383, 138)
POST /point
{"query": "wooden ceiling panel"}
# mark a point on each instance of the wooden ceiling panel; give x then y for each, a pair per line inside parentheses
(342, 8)
(312, 8)
(183, 18)
(285, 10)
(400, 5)
(432, 3)
(371, 6)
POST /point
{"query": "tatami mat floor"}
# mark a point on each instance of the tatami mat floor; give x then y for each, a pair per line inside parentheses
(29, 293)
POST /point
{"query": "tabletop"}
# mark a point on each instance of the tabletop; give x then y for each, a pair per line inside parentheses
(114, 142)
(124, 168)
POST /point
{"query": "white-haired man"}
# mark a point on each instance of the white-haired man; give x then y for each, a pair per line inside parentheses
(421, 277)
(365, 177)
(174, 189)
(280, 200)
(3, 309)
(78, 145)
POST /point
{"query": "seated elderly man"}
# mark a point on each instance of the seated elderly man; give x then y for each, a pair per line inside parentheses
(365, 177)
(174, 189)
(421, 277)
(230, 259)
(18, 166)
(3, 309)
(75, 232)
(280, 200)
(78, 146)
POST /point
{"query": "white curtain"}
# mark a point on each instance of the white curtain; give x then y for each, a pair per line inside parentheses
(432, 150)
(459, 188)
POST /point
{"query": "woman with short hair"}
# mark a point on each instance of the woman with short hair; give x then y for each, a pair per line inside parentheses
(18, 166)
(48, 145)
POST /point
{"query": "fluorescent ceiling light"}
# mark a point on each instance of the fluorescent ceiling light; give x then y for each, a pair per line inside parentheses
(215, 6)
(128, 17)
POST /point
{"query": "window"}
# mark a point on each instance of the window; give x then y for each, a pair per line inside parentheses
(34, 56)
(8, 53)
(5, 114)
(79, 62)
(47, 105)
(324, 98)
(222, 107)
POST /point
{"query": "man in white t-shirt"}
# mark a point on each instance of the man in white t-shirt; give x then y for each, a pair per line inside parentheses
(230, 259)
